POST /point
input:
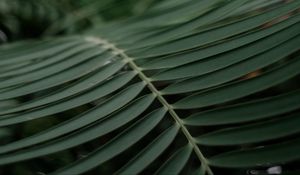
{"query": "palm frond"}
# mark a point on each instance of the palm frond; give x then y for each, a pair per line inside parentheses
(190, 86)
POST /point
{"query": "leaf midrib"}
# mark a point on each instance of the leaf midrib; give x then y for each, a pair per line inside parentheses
(128, 60)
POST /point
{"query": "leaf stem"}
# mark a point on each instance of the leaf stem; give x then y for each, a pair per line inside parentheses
(162, 100)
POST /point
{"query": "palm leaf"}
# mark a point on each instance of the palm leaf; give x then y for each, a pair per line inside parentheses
(208, 91)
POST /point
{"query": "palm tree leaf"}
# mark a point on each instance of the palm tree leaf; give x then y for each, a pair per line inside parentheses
(253, 132)
(262, 156)
(32, 67)
(190, 85)
(84, 135)
(150, 153)
(62, 106)
(243, 112)
(212, 65)
(227, 45)
(106, 125)
(229, 92)
(176, 162)
(78, 87)
(116, 145)
(39, 51)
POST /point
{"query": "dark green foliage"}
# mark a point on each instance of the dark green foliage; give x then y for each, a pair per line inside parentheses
(150, 87)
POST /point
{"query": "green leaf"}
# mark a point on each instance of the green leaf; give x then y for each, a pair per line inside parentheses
(150, 153)
(176, 162)
(115, 101)
(252, 133)
(247, 59)
(44, 63)
(249, 111)
(75, 88)
(84, 135)
(260, 156)
(58, 78)
(226, 45)
(229, 92)
(116, 145)
(210, 84)
(232, 72)
(218, 34)
(43, 50)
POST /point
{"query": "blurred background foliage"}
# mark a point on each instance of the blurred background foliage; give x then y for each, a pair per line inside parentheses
(20, 19)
